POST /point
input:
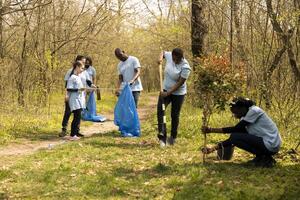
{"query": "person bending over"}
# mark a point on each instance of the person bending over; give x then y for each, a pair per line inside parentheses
(255, 133)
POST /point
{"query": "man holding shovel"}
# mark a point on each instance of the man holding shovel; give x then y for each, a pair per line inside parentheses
(177, 71)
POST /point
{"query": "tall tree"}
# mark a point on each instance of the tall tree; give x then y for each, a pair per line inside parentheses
(199, 27)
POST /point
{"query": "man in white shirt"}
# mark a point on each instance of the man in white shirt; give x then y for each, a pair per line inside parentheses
(129, 70)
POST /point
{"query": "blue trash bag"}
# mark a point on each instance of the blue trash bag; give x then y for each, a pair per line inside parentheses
(126, 116)
(90, 113)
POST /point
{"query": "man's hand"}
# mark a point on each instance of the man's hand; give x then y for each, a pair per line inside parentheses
(159, 62)
(131, 82)
(164, 94)
(117, 92)
(66, 98)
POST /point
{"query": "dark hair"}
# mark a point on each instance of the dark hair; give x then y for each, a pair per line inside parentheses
(88, 58)
(241, 102)
(75, 64)
(178, 53)
(118, 51)
(79, 57)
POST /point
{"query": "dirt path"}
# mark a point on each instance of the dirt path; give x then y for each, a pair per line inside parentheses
(28, 147)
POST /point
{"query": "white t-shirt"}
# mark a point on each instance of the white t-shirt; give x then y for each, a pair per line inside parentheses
(127, 70)
(76, 99)
(173, 72)
(261, 125)
(83, 75)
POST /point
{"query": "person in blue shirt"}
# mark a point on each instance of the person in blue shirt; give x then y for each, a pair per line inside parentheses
(90, 69)
(255, 133)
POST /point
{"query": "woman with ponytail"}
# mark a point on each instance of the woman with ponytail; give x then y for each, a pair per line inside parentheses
(255, 133)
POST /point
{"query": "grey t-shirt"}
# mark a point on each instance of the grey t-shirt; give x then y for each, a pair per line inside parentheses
(76, 99)
(261, 125)
(91, 71)
(173, 72)
(127, 70)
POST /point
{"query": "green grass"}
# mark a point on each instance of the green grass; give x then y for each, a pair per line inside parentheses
(41, 123)
(110, 167)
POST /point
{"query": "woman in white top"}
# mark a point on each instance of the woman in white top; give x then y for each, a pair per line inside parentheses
(255, 133)
(177, 71)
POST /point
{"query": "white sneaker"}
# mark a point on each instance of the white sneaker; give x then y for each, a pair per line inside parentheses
(73, 138)
(162, 144)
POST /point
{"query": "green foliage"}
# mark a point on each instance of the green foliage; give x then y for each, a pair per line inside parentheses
(216, 78)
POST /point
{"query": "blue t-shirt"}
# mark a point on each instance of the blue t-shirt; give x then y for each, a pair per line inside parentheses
(173, 72)
(261, 125)
(91, 71)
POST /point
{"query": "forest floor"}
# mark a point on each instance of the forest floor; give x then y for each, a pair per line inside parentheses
(107, 166)
(27, 146)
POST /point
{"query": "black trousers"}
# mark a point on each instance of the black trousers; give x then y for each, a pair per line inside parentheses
(176, 104)
(75, 126)
(247, 142)
(66, 117)
(136, 95)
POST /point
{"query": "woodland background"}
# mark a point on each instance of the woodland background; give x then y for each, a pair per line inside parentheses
(40, 38)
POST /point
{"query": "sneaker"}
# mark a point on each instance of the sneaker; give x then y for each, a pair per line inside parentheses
(171, 141)
(79, 135)
(254, 161)
(162, 144)
(75, 137)
(63, 133)
(266, 162)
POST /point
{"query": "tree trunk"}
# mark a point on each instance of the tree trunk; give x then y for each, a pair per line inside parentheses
(199, 28)
(240, 45)
(285, 38)
(1, 30)
(21, 69)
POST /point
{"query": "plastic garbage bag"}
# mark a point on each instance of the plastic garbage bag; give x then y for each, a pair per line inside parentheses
(125, 114)
(90, 113)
